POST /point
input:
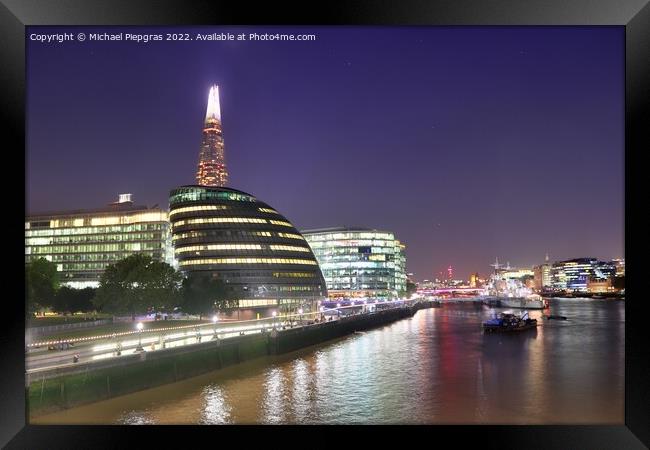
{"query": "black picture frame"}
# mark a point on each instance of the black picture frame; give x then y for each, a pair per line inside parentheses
(634, 15)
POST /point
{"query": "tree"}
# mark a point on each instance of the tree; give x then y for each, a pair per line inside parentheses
(204, 294)
(410, 288)
(42, 282)
(71, 300)
(135, 284)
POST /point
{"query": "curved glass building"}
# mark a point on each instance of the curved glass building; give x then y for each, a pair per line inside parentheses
(265, 262)
(359, 262)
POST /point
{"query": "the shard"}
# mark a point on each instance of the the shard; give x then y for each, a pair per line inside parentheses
(212, 164)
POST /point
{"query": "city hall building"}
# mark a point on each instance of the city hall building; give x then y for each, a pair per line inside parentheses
(359, 262)
(264, 261)
(82, 243)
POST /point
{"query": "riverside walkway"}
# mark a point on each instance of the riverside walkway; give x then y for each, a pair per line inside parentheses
(40, 357)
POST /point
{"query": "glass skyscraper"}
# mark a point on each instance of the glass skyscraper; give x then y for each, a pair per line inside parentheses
(359, 262)
(212, 163)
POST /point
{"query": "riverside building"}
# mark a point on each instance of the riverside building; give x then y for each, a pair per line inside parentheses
(542, 276)
(574, 274)
(82, 243)
(264, 261)
(359, 262)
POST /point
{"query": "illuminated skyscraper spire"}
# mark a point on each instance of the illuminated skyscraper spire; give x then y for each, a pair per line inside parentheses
(212, 164)
(214, 109)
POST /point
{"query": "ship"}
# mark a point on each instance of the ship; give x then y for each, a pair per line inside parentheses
(531, 301)
(510, 293)
(508, 322)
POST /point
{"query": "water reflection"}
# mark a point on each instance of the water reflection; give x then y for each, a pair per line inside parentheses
(436, 367)
(273, 406)
(216, 409)
(137, 418)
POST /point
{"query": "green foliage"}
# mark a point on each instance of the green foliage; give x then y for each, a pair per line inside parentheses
(204, 294)
(42, 281)
(135, 284)
(72, 300)
(410, 288)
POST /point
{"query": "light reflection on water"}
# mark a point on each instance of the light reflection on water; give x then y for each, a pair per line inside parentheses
(436, 367)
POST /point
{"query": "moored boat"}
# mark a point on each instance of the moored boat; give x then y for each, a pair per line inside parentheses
(532, 301)
(508, 322)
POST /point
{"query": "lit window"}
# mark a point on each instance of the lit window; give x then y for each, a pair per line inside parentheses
(193, 262)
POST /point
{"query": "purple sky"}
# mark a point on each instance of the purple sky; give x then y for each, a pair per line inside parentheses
(468, 143)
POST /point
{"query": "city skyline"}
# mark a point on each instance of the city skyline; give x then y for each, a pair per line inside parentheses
(352, 145)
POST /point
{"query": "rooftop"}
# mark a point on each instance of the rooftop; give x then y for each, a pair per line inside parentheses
(340, 230)
(124, 204)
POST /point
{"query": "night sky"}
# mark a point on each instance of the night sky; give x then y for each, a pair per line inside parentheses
(468, 143)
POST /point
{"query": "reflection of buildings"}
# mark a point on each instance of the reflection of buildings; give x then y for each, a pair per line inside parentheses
(212, 164)
(232, 235)
(359, 262)
(574, 274)
(83, 243)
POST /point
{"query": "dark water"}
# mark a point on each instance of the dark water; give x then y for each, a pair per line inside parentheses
(434, 368)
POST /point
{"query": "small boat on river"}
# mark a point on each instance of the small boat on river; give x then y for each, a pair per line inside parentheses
(508, 322)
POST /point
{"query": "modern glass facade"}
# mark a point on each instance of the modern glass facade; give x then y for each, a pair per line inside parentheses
(574, 274)
(359, 262)
(83, 243)
(263, 259)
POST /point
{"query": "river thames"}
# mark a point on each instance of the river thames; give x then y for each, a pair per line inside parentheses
(434, 368)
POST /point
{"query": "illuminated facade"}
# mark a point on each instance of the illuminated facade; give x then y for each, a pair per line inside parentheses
(359, 262)
(600, 286)
(510, 273)
(212, 163)
(83, 243)
(265, 262)
(474, 280)
(620, 267)
(542, 277)
(574, 274)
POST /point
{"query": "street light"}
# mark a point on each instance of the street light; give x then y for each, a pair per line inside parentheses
(215, 319)
(139, 326)
(300, 315)
(274, 314)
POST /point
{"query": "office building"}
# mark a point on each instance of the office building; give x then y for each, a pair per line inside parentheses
(574, 274)
(542, 276)
(82, 243)
(359, 262)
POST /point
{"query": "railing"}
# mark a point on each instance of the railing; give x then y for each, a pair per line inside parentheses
(114, 344)
(39, 331)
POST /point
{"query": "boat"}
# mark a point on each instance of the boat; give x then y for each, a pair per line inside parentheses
(532, 301)
(554, 317)
(510, 293)
(508, 322)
